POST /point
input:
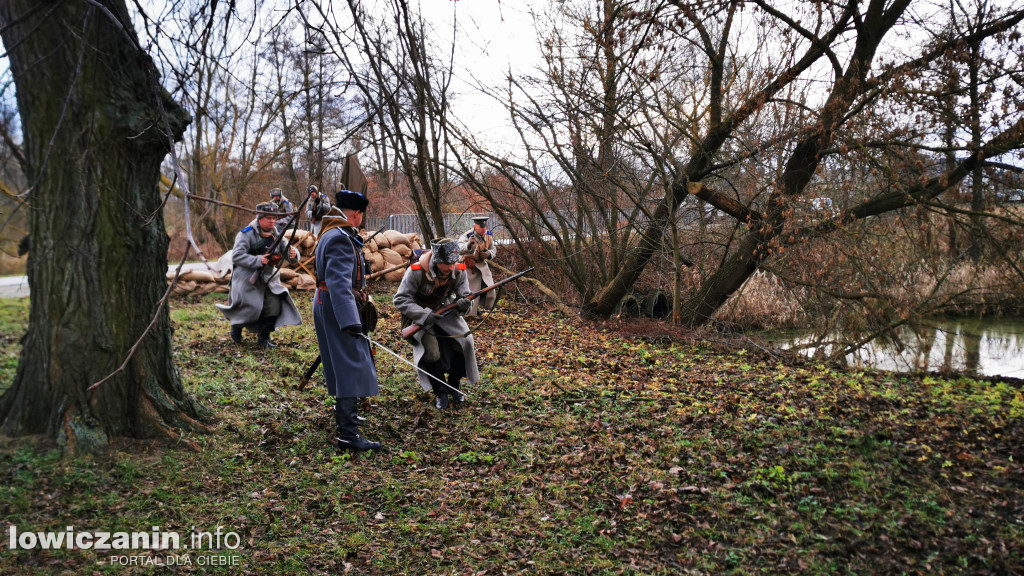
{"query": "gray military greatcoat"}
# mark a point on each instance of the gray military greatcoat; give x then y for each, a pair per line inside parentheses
(316, 212)
(245, 301)
(348, 366)
(419, 279)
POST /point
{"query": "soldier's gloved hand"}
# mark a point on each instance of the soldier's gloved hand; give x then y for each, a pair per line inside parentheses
(484, 254)
(463, 305)
(355, 330)
(434, 318)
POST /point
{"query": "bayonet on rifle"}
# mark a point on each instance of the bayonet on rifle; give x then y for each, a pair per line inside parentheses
(412, 329)
(293, 225)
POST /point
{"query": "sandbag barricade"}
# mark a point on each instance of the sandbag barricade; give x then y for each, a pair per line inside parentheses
(386, 250)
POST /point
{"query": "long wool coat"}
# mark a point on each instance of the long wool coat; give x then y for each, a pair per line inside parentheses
(245, 301)
(478, 271)
(348, 366)
(419, 279)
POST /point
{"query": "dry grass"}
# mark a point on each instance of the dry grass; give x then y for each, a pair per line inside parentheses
(12, 266)
(764, 301)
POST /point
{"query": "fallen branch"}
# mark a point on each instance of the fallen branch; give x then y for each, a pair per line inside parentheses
(547, 291)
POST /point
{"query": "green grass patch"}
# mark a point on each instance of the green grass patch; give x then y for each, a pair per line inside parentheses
(583, 451)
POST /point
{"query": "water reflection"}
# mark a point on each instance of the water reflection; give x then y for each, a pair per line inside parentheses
(989, 347)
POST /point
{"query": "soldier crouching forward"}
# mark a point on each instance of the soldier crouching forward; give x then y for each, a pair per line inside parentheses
(258, 301)
(444, 348)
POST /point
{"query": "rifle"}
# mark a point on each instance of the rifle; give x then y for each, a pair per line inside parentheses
(374, 235)
(294, 225)
(412, 329)
(475, 244)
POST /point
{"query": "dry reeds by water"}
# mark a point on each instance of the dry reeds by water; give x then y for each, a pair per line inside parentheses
(765, 301)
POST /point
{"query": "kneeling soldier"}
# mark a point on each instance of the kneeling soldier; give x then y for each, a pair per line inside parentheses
(444, 348)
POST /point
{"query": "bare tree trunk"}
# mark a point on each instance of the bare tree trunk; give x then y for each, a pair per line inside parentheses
(728, 278)
(213, 223)
(677, 267)
(94, 137)
(604, 302)
(977, 234)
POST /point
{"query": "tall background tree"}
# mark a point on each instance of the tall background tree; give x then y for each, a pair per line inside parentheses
(388, 53)
(801, 128)
(96, 127)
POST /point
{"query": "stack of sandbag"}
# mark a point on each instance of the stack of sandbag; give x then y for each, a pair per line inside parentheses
(303, 240)
(389, 249)
(199, 282)
(386, 250)
(297, 280)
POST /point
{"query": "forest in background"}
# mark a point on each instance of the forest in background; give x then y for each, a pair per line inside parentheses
(842, 179)
(852, 167)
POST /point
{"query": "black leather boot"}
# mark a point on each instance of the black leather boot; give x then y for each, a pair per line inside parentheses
(457, 397)
(236, 333)
(348, 429)
(359, 444)
(263, 336)
(441, 402)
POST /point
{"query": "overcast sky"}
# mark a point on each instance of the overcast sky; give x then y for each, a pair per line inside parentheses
(493, 36)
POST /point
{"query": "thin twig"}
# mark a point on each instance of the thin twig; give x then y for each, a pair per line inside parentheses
(156, 317)
(235, 206)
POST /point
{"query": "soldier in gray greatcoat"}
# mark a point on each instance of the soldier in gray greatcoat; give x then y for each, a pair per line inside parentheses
(477, 247)
(444, 348)
(284, 207)
(264, 305)
(319, 206)
(340, 293)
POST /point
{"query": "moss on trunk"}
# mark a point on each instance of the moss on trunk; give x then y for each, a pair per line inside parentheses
(96, 125)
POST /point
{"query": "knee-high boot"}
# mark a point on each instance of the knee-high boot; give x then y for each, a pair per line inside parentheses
(345, 416)
(263, 336)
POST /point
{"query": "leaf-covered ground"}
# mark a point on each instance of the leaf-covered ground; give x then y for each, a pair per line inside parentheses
(587, 449)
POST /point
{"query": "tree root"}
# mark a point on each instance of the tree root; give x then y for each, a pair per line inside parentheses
(80, 435)
(150, 424)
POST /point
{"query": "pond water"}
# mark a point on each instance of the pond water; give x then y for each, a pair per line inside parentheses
(988, 347)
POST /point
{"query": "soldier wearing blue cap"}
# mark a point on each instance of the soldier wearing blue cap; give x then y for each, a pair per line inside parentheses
(258, 301)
